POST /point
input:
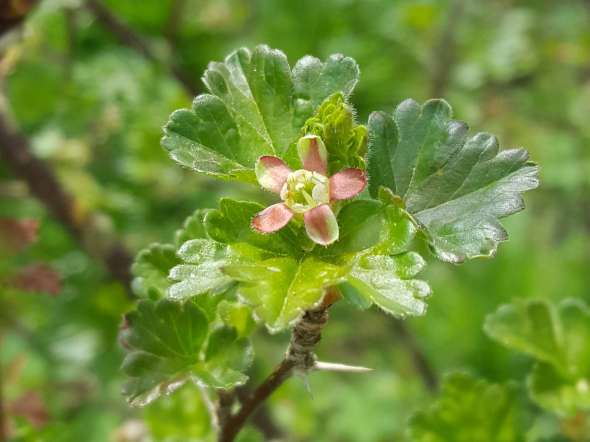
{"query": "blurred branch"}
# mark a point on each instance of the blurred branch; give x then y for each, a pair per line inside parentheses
(445, 51)
(12, 13)
(419, 359)
(128, 37)
(174, 19)
(44, 185)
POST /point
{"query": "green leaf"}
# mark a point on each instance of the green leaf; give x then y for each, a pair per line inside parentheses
(388, 282)
(558, 393)
(180, 416)
(314, 81)
(192, 228)
(165, 339)
(345, 140)
(281, 289)
(150, 270)
(201, 271)
(469, 410)
(361, 223)
(457, 187)
(237, 315)
(166, 344)
(256, 106)
(369, 224)
(231, 225)
(531, 327)
(557, 337)
(226, 357)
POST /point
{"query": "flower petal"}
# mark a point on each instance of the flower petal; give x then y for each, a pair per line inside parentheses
(272, 172)
(272, 218)
(321, 225)
(313, 154)
(347, 183)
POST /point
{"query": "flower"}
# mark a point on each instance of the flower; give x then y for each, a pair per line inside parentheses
(307, 192)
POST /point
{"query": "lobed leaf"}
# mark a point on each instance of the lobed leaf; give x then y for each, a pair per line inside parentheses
(457, 187)
(469, 410)
(388, 282)
(256, 107)
(200, 271)
(170, 342)
(230, 224)
(150, 270)
(281, 289)
(557, 337)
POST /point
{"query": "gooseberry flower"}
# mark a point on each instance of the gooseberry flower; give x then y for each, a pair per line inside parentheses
(306, 193)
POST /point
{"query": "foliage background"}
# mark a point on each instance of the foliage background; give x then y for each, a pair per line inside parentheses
(93, 108)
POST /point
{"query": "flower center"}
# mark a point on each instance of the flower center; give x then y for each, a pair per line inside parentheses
(305, 190)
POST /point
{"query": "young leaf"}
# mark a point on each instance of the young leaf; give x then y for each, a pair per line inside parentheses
(192, 228)
(361, 225)
(281, 289)
(231, 225)
(469, 410)
(256, 107)
(345, 141)
(201, 269)
(151, 268)
(368, 224)
(166, 342)
(457, 187)
(557, 337)
(388, 282)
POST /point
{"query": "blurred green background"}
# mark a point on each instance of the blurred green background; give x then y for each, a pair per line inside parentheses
(93, 107)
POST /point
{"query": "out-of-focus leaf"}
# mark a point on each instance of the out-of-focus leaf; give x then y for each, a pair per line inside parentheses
(256, 107)
(469, 410)
(557, 337)
(281, 289)
(151, 268)
(237, 315)
(180, 417)
(455, 186)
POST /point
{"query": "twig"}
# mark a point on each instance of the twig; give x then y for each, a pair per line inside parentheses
(261, 418)
(44, 185)
(131, 39)
(444, 52)
(419, 359)
(299, 356)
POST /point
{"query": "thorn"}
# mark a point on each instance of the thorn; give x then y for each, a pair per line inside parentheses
(306, 384)
(331, 366)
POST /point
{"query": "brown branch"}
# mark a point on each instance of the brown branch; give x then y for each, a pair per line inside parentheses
(299, 356)
(445, 51)
(12, 13)
(128, 37)
(44, 185)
